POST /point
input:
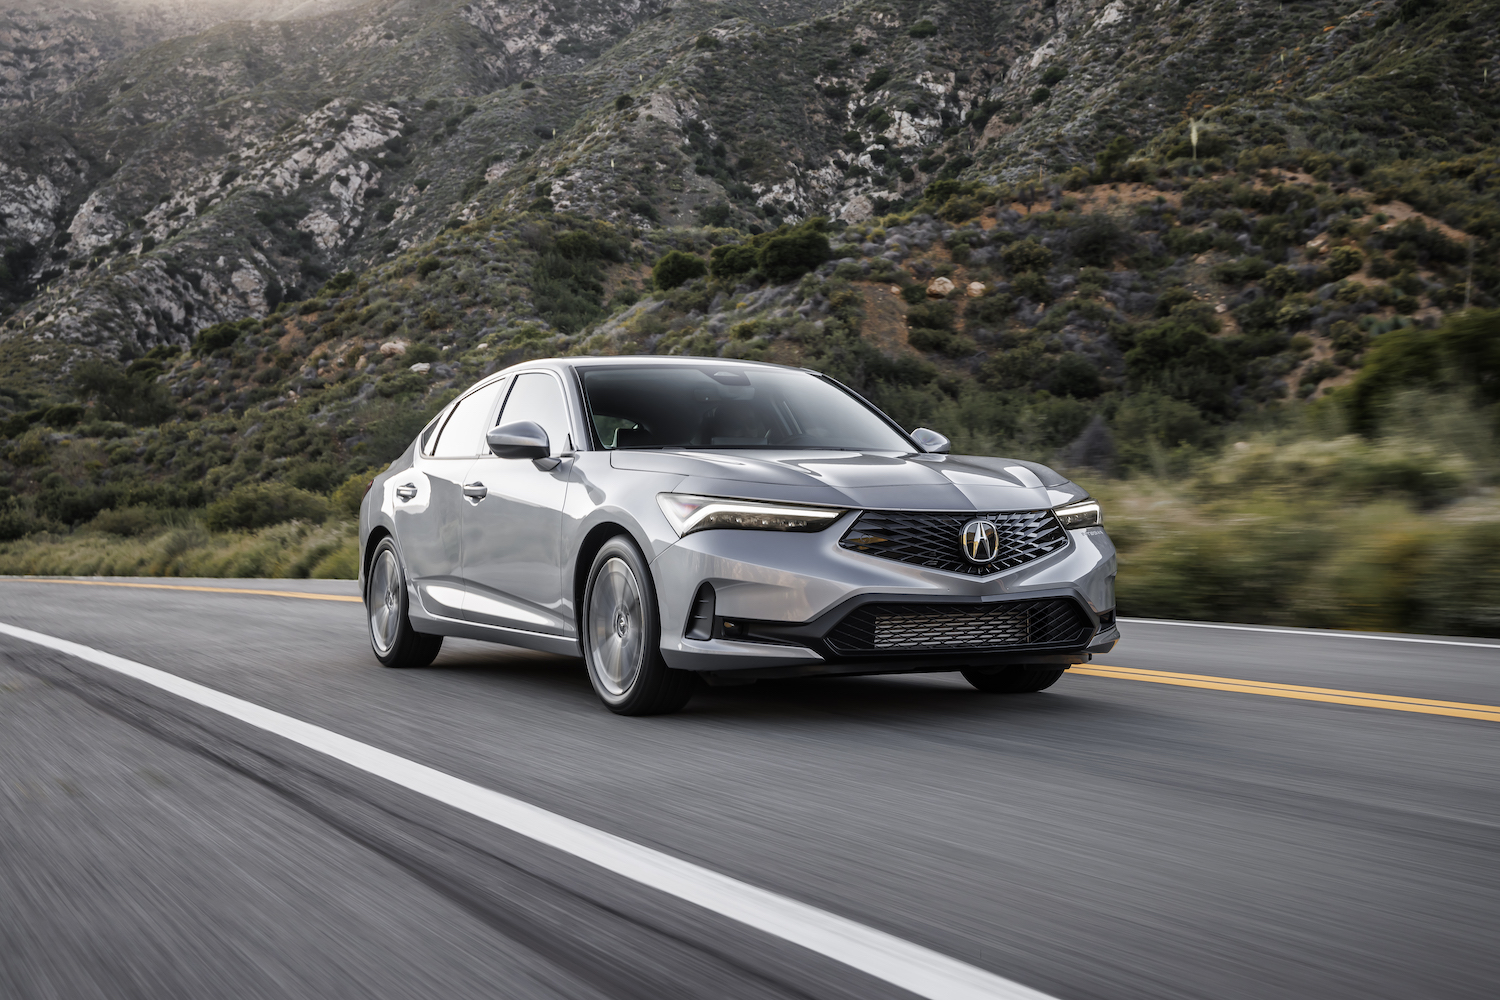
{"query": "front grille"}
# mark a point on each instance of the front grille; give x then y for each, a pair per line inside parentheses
(932, 539)
(891, 627)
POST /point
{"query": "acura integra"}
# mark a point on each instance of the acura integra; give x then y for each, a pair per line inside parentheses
(677, 520)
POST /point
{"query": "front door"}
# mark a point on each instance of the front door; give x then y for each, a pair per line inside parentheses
(428, 501)
(513, 536)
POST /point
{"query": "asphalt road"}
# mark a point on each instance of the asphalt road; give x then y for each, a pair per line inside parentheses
(1105, 839)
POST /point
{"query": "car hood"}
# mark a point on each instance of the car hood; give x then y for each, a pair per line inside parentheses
(859, 479)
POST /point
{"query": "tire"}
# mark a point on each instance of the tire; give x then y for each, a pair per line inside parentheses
(1016, 680)
(621, 636)
(393, 640)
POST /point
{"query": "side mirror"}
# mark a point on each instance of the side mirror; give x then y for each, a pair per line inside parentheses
(521, 439)
(931, 441)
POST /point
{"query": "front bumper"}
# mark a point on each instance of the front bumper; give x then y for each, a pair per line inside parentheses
(780, 600)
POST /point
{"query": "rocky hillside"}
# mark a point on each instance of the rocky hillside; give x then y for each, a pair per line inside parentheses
(1092, 231)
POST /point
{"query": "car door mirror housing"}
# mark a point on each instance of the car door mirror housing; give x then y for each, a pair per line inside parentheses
(931, 441)
(521, 439)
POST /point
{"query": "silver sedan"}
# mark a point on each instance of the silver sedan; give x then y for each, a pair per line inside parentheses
(677, 520)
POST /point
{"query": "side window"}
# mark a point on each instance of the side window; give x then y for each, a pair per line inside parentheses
(537, 397)
(463, 435)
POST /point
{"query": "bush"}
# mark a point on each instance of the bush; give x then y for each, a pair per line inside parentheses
(418, 353)
(132, 396)
(1040, 94)
(731, 261)
(1053, 76)
(677, 268)
(126, 522)
(427, 265)
(877, 79)
(258, 505)
(1177, 358)
(1027, 255)
(14, 522)
(221, 335)
(1344, 261)
(63, 416)
(922, 29)
(1098, 240)
(789, 257)
(350, 494)
(716, 214)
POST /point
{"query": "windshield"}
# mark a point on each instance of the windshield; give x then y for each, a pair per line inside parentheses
(729, 407)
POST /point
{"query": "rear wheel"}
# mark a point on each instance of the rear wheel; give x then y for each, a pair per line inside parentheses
(622, 636)
(395, 642)
(1016, 680)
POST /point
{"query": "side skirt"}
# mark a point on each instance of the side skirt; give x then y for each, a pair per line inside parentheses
(540, 641)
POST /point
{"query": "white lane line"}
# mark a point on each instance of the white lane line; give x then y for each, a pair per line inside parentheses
(920, 970)
(1311, 632)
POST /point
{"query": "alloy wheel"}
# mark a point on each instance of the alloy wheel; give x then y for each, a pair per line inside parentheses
(616, 624)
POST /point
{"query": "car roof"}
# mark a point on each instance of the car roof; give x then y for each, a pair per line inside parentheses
(654, 360)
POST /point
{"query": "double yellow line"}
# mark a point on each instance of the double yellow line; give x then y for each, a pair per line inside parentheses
(1332, 696)
(1296, 692)
(184, 586)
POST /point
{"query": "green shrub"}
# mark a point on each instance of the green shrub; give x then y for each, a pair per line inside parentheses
(259, 505)
(126, 522)
(934, 315)
(922, 29)
(877, 79)
(731, 261)
(914, 293)
(677, 268)
(63, 415)
(788, 257)
(1344, 261)
(350, 494)
(1098, 240)
(1026, 255)
(221, 335)
(427, 265)
(1040, 94)
(1053, 76)
(15, 522)
(418, 353)
(132, 396)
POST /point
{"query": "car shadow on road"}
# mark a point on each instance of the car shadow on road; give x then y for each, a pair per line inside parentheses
(905, 696)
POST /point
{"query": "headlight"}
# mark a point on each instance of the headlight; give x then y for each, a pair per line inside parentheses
(690, 513)
(1084, 514)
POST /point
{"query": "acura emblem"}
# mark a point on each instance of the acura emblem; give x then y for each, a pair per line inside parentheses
(980, 541)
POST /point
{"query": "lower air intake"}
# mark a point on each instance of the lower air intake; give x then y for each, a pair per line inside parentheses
(879, 628)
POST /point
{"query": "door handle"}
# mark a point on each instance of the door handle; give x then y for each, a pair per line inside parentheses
(476, 491)
(406, 491)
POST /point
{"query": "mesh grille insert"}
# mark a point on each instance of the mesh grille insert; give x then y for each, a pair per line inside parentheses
(890, 627)
(932, 539)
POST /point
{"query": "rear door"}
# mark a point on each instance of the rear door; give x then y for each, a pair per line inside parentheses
(428, 501)
(512, 538)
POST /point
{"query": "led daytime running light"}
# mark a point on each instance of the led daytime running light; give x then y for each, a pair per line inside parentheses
(692, 513)
(1084, 514)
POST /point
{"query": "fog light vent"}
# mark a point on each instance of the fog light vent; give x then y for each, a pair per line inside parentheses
(700, 623)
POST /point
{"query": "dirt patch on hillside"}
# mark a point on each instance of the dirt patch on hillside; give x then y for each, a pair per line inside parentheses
(885, 318)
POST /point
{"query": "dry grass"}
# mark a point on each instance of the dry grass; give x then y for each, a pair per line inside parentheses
(295, 550)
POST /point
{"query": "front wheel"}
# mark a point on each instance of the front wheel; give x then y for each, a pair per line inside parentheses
(1016, 680)
(622, 636)
(395, 642)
